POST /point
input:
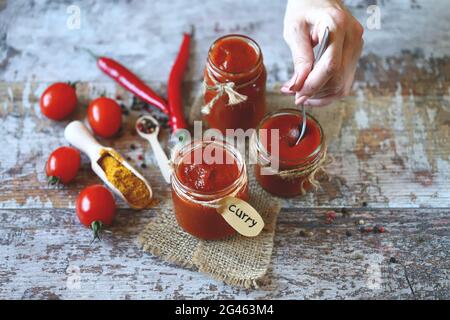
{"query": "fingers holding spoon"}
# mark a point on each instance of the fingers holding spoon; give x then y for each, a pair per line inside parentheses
(299, 100)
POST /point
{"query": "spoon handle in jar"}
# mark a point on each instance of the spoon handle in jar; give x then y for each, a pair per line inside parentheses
(322, 45)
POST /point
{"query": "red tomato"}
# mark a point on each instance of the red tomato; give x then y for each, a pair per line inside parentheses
(62, 165)
(96, 207)
(58, 101)
(105, 117)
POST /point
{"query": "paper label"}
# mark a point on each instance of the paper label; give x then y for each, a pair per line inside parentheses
(241, 216)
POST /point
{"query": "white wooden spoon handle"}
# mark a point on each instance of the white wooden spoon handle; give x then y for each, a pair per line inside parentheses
(80, 137)
(161, 158)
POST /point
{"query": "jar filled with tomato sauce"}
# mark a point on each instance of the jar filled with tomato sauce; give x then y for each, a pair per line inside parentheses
(204, 173)
(236, 61)
(297, 163)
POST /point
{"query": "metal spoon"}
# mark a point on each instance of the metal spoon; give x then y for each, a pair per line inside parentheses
(322, 47)
(152, 137)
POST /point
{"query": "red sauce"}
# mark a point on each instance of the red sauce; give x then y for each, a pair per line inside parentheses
(237, 59)
(207, 177)
(207, 181)
(288, 126)
(234, 55)
(291, 156)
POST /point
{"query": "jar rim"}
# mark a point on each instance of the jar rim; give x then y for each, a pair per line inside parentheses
(249, 41)
(292, 162)
(213, 195)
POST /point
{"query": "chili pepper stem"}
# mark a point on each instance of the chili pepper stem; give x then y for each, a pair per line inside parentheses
(89, 51)
(191, 30)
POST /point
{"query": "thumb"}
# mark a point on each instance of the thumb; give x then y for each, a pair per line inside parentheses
(299, 41)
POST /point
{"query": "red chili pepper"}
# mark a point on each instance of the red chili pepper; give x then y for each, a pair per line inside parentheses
(131, 82)
(174, 93)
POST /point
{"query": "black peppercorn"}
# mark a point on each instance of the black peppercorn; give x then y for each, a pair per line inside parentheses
(345, 212)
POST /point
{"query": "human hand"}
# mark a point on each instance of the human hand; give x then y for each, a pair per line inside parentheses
(332, 77)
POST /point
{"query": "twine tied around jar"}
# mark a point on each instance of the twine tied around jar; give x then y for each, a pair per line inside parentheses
(309, 171)
(214, 204)
(227, 88)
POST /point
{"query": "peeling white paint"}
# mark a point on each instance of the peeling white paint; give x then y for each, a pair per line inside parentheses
(420, 159)
(10, 94)
(361, 119)
(26, 95)
(432, 114)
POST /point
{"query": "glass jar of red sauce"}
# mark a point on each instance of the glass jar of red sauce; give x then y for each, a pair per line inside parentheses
(237, 59)
(297, 163)
(199, 183)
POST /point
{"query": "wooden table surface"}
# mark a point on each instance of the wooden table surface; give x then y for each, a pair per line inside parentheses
(389, 140)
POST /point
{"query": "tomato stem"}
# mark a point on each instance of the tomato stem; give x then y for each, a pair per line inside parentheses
(96, 227)
(73, 84)
(53, 181)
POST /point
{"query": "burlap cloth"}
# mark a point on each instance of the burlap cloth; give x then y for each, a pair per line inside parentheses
(238, 260)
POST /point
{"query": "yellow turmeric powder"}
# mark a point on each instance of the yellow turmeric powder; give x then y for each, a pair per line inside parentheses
(131, 186)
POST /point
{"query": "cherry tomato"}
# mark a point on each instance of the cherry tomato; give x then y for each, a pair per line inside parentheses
(62, 165)
(96, 207)
(105, 117)
(58, 101)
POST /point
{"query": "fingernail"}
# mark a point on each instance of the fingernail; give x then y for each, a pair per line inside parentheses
(293, 81)
(287, 91)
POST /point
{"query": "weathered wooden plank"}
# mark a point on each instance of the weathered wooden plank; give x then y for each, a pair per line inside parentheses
(43, 251)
